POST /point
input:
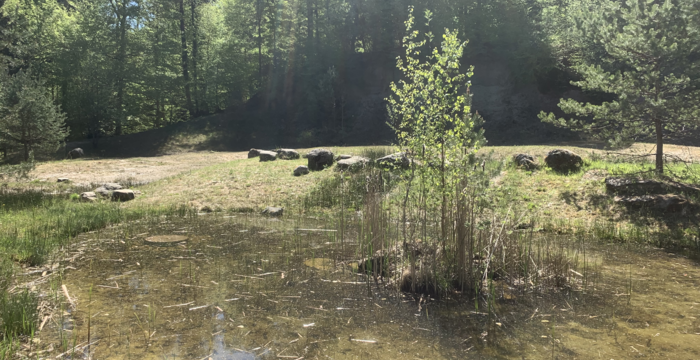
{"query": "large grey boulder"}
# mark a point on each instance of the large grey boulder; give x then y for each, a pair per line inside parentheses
(667, 203)
(394, 161)
(76, 153)
(103, 192)
(319, 159)
(301, 170)
(353, 163)
(112, 186)
(123, 195)
(253, 153)
(273, 211)
(267, 155)
(563, 160)
(525, 161)
(88, 196)
(287, 154)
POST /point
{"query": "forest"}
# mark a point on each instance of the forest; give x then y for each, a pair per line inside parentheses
(293, 71)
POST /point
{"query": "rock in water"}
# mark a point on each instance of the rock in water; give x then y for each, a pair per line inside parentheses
(268, 155)
(525, 161)
(394, 161)
(562, 160)
(273, 211)
(319, 159)
(353, 163)
(123, 195)
(301, 170)
(287, 154)
(76, 153)
(88, 196)
(253, 153)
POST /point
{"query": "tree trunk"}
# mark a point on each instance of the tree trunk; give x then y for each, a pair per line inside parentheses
(659, 146)
(195, 79)
(121, 60)
(185, 72)
(26, 152)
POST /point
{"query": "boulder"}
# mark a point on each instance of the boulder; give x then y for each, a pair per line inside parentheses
(353, 163)
(287, 154)
(562, 160)
(343, 157)
(398, 160)
(253, 153)
(123, 195)
(667, 203)
(633, 186)
(63, 180)
(267, 155)
(76, 153)
(319, 159)
(301, 170)
(273, 211)
(103, 192)
(112, 186)
(88, 196)
(525, 161)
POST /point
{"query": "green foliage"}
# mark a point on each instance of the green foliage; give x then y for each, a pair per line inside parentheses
(18, 171)
(28, 117)
(645, 64)
(18, 314)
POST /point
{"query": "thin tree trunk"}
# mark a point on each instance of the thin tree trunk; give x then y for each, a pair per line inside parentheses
(260, 39)
(195, 51)
(121, 60)
(659, 146)
(185, 72)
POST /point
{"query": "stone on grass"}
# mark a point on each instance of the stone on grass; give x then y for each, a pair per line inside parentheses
(667, 203)
(123, 195)
(525, 161)
(112, 186)
(563, 160)
(287, 154)
(88, 196)
(76, 153)
(63, 180)
(394, 161)
(319, 159)
(343, 156)
(268, 155)
(273, 211)
(103, 192)
(301, 170)
(253, 153)
(353, 163)
(633, 186)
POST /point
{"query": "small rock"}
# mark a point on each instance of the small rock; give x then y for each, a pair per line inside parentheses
(253, 153)
(319, 159)
(76, 153)
(287, 154)
(88, 196)
(273, 211)
(667, 203)
(267, 155)
(562, 160)
(398, 160)
(344, 157)
(123, 195)
(63, 180)
(353, 163)
(301, 170)
(525, 161)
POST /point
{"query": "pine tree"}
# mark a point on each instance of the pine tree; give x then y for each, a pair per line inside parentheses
(28, 117)
(648, 68)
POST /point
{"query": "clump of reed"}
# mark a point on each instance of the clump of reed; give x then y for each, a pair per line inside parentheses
(422, 239)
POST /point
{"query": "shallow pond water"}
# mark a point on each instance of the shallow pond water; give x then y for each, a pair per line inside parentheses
(243, 287)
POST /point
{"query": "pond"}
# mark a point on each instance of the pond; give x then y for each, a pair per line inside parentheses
(245, 287)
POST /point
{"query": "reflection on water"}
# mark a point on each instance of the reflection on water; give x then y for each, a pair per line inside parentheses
(246, 288)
